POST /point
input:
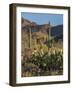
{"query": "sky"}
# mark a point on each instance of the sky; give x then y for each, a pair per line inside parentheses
(43, 18)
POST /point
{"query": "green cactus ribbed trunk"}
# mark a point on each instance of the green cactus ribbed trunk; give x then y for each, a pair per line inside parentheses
(49, 37)
(30, 37)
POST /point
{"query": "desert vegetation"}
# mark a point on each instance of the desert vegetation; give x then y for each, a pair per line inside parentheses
(42, 52)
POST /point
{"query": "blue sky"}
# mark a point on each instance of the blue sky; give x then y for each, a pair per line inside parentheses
(41, 18)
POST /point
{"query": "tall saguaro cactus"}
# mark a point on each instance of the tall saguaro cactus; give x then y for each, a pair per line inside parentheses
(30, 37)
(49, 36)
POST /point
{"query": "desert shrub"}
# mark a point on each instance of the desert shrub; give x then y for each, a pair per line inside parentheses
(43, 62)
(48, 62)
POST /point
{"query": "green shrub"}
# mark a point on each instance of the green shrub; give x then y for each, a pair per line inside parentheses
(43, 63)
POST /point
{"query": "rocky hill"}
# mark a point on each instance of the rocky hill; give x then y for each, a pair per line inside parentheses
(56, 31)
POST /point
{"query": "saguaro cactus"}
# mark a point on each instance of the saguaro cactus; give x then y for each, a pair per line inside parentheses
(29, 37)
(49, 36)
